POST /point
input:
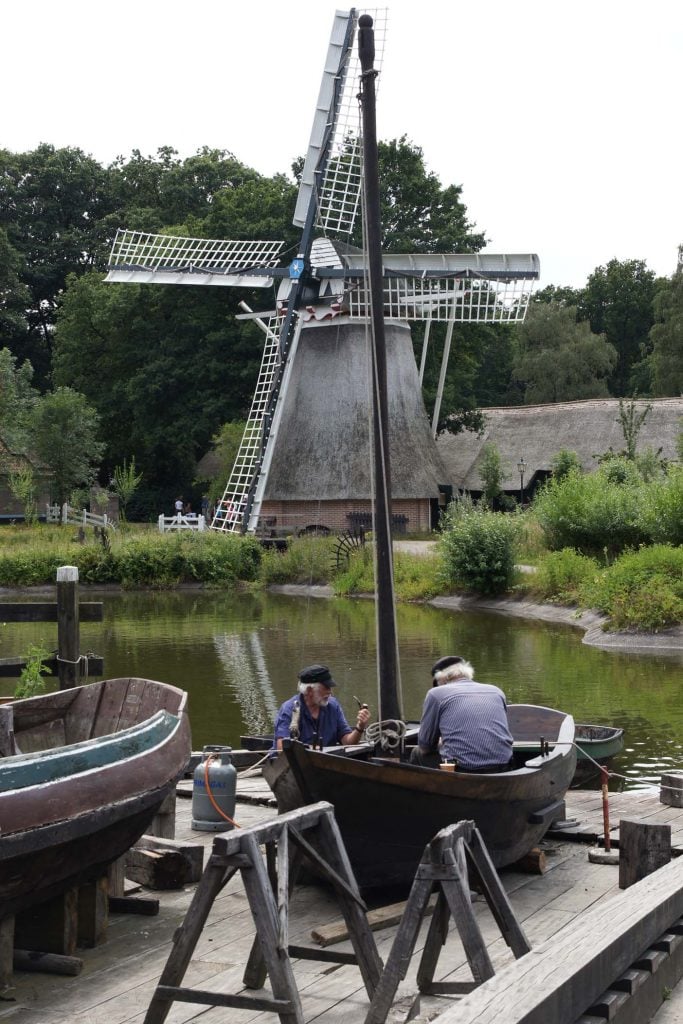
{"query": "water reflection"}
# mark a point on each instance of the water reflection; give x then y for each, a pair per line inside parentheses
(238, 656)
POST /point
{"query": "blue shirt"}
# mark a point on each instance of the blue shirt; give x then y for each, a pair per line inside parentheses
(328, 728)
(471, 719)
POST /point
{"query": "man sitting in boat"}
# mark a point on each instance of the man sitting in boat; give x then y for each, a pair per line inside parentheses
(463, 722)
(314, 716)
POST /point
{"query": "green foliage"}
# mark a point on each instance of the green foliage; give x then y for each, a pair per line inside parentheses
(31, 682)
(225, 446)
(662, 508)
(65, 429)
(641, 590)
(666, 337)
(592, 513)
(134, 560)
(491, 473)
(478, 549)
(564, 462)
(618, 303)
(559, 359)
(126, 482)
(416, 577)
(17, 401)
(631, 419)
(22, 484)
(304, 560)
(561, 575)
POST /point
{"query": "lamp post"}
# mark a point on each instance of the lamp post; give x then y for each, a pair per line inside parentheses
(521, 469)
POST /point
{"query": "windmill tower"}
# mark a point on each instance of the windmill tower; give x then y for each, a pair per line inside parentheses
(304, 458)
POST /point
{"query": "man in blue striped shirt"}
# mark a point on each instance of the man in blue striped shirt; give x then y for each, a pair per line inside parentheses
(463, 721)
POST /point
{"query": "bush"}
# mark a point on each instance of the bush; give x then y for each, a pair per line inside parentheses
(662, 508)
(478, 549)
(305, 560)
(642, 589)
(561, 575)
(592, 514)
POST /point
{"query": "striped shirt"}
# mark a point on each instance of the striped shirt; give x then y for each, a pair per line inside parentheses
(471, 720)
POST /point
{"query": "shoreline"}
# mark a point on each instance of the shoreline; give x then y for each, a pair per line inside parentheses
(589, 621)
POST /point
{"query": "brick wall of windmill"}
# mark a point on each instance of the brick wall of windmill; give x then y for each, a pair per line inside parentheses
(410, 515)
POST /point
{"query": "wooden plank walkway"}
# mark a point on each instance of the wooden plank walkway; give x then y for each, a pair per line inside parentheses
(119, 976)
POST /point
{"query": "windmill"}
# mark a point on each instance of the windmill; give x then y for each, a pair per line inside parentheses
(307, 433)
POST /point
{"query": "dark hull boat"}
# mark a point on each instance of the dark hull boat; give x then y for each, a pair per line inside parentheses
(388, 810)
(85, 770)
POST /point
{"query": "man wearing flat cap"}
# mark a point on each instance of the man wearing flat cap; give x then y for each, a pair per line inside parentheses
(463, 721)
(314, 716)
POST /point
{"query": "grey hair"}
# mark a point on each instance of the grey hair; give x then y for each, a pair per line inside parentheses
(302, 687)
(461, 670)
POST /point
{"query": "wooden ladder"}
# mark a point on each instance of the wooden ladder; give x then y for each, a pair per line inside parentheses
(443, 869)
(268, 887)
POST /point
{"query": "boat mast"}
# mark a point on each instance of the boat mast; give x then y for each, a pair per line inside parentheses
(387, 645)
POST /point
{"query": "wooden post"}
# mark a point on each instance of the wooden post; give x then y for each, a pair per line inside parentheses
(6, 955)
(68, 632)
(644, 846)
(671, 789)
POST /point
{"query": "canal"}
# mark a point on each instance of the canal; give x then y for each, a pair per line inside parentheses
(238, 657)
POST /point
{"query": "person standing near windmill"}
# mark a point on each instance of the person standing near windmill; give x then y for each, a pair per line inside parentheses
(314, 716)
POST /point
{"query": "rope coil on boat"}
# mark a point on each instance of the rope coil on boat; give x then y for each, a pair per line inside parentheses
(389, 733)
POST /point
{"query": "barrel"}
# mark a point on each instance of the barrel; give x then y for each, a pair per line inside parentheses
(208, 803)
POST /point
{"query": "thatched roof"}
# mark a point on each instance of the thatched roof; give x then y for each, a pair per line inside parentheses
(538, 432)
(323, 443)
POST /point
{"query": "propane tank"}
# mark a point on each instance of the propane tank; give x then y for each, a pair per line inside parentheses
(222, 784)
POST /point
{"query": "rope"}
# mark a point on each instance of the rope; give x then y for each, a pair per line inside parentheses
(613, 775)
(389, 732)
(79, 659)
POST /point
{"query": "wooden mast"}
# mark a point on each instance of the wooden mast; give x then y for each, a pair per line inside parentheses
(387, 656)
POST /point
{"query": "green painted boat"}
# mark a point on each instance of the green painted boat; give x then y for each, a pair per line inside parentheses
(82, 773)
(595, 745)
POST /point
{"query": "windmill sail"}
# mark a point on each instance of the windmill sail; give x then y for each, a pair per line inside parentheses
(325, 281)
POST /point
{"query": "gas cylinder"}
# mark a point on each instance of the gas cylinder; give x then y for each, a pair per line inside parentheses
(222, 786)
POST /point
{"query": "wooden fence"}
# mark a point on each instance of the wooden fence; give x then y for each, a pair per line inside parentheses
(191, 521)
(78, 517)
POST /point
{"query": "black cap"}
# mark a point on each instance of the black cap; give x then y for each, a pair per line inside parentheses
(442, 663)
(316, 674)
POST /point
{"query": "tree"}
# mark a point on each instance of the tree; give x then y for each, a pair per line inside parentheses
(224, 449)
(631, 419)
(65, 438)
(617, 302)
(17, 399)
(53, 205)
(491, 474)
(558, 359)
(564, 462)
(666, 337)
(126, 482)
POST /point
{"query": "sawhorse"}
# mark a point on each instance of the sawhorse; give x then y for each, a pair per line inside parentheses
(443, 868)
(268, 888)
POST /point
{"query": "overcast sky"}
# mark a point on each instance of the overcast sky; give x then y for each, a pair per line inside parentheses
(561, 120)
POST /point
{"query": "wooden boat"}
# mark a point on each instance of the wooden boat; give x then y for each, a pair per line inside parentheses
(85, 770)
(595, 745)
(386, 808)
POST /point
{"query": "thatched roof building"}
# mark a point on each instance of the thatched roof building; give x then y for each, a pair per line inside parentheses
(538, 432)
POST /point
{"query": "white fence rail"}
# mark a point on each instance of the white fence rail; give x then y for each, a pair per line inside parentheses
(79, 517)
(191, 521)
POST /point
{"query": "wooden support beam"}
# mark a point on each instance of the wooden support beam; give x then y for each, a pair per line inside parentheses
(156, 869)
(47, 963)
(39, 611)
(6, 958)
(671, 789)
(193, 853)
(93, 912)
(51, 927)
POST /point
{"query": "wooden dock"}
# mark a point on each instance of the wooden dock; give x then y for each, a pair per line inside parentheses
(119, 976)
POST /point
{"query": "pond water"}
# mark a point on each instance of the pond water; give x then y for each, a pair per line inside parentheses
(238, 657)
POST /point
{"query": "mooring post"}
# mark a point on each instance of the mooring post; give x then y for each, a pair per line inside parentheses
(644, 846)
(68, 631)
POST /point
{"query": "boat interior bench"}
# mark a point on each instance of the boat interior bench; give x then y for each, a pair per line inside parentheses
(630, 946)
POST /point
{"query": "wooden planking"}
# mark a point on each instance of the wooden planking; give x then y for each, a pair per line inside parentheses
(43, 611)
(557, 981)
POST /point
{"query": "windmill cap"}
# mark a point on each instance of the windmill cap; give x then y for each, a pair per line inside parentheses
(442, 663)
(316, 674)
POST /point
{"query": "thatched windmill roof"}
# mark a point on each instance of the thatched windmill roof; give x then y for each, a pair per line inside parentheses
(538, 432)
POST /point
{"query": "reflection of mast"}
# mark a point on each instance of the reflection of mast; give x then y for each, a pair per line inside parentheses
(247, 676)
